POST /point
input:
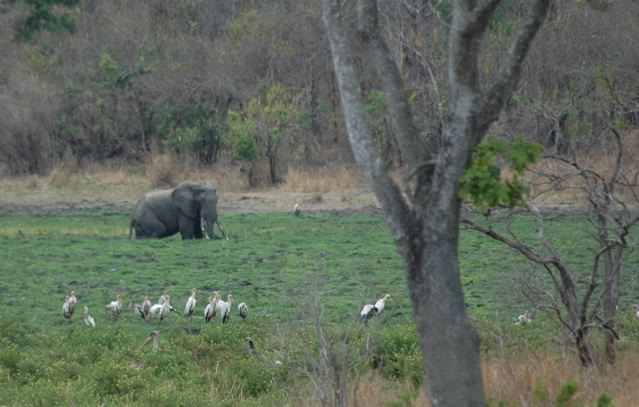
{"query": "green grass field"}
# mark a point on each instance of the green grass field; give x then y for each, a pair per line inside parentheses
(276, 263)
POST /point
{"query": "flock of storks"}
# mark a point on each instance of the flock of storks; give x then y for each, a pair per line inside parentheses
(161, 309)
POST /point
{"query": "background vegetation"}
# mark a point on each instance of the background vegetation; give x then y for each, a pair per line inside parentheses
(220, 81)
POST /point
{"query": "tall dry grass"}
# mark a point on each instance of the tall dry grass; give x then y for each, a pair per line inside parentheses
(338, 178)
(532, 379)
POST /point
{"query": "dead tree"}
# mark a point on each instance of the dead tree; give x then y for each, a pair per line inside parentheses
(608, 195)
(424, 214)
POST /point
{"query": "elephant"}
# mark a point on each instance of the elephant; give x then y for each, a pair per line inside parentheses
(189, 208)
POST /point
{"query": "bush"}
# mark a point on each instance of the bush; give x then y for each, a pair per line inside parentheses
(397, 354)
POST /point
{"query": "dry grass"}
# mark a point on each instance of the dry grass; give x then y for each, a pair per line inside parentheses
(516, 380)
(340, 178)
(528, 380)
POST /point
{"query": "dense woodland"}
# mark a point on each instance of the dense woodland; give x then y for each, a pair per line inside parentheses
(251, 82)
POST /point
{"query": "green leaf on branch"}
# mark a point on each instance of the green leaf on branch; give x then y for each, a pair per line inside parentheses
(482, 183)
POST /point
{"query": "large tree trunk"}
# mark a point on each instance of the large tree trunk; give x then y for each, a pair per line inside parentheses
(448, 341)
(425, 220)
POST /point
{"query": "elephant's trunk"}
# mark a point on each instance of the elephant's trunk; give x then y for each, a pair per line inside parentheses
(208, 221)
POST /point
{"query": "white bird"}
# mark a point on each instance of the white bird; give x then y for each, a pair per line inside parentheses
(146, 306)
(225, 308)
(115, 306)
(210, 310)
(368, 311)
(190, 305)
(143, 310)
(163, 298)
(88, 319)
(243, 308)
(379, 305)
(523, 319)
(161, 310)
(297, 209)
(635, 310)
(69, 305)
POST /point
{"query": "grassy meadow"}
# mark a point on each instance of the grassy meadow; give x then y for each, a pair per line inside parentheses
(303, 278)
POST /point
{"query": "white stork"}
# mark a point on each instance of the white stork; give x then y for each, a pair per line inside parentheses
(88, 319)
(69, 305)
(190, 305)
(115, 306)
(368, 311)
(297, 209)
(379, 305)
(523, 319)
(146, 306)
(210, 310)
(243, 308)
(225, 308)
(162, 310)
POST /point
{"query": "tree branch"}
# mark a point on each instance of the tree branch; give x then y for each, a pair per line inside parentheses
(366, 155)
(510, 71)
(401, 116)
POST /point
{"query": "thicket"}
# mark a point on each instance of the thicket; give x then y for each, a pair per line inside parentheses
(252, 81)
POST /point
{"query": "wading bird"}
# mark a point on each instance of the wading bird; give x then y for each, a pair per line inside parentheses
(635, 310)
(368, 311)
(88, 319)
(523, 319)
(243, 308)
(210, 310)
(379, 305)
(163, 298)
(154, 339)
(161, 310)
(250, 344)
(224, 308)
(190, 305)
(146, 306)
(68, 308)
(115, 306)
(297, 209)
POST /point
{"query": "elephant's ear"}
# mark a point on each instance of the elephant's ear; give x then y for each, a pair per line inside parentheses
(186, 196)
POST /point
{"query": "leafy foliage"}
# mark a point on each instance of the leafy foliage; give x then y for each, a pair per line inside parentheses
(482, 183)
(47, 15)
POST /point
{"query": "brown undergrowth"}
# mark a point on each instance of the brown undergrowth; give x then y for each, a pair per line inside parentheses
(531, 379)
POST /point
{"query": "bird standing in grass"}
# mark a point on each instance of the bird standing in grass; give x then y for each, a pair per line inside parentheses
(635, 310)
(161, 310)
(250, 344)
(523, 319)
(368, 311)
(115, 306)
(381, 303)
(243, 308)
(225, 308)
(210, 310)
(68, 308)
(146, 306)
(297, 209)
(88, 319)
(190, 305)
(154, 339)
(162, 300)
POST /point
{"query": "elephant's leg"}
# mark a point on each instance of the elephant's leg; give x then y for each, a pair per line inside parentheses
(151, 228)
(187, 226)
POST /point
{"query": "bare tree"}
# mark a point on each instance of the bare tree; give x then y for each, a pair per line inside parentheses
(425, 214)
(611, 199)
